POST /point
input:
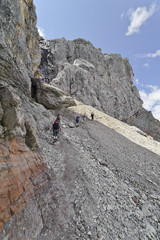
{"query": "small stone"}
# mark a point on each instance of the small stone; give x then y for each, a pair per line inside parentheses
(146, 211)
(144, 197)
(139, 215)
(71, 125)
(109, 208)
(135, 199)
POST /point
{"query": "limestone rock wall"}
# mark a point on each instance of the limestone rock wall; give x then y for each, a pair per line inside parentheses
(19, 47)
(20, 162)
(104, 81)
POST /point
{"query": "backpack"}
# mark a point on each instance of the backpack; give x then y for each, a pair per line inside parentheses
(77, 118)
(56, 125)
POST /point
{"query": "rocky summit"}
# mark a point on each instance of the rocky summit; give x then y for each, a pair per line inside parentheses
(99, 180)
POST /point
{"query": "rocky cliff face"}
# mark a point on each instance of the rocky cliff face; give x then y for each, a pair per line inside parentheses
(104, 81)
(19, 47)
(19, 59)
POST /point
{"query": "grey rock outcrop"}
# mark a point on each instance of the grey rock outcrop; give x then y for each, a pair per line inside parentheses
(104, 81)
(19, 47)
(49, 96)
(13, 118)
(144, 120)
(19, 59)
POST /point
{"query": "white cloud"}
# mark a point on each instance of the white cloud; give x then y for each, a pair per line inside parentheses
(148, 55)
(138, 18)
(41, 32)
(153, 55)
(151, 100)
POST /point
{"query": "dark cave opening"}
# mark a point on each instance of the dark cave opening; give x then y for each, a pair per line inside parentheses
(34, 88)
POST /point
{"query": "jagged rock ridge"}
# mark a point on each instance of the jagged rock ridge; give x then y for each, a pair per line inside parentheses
(104, 81)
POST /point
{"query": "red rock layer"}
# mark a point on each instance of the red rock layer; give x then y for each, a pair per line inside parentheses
(18, 167)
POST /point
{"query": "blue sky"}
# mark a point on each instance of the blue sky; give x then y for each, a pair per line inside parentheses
(128, 27)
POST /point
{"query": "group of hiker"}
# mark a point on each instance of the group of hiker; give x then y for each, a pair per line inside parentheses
(57, 122)
(84, 118)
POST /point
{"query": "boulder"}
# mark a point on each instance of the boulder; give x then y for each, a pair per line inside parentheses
(51, 97)
(31, 137)
(13, 118)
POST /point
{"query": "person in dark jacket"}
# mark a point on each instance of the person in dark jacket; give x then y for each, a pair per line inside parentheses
(56, 128)
(77, 121)
(92, 116)
(84, 117)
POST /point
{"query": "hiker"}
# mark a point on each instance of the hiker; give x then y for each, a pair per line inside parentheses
(56, 128)
(84, 117)
(92, 116)
(77, 121)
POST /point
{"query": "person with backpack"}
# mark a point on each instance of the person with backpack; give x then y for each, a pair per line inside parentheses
(84, 117)
(56, 128)
(92, 116)
(77, 121)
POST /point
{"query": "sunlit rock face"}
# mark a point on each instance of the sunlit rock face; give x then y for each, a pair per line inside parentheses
(104, 81)
(19, 47)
